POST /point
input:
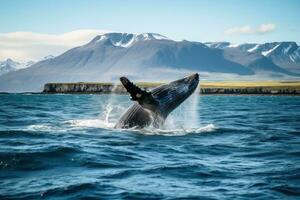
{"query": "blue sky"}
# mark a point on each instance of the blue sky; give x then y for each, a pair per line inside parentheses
(192, 20)
(236, 21)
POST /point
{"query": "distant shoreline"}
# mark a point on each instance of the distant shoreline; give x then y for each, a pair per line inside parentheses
(206, 88)
(203, 94)
(290, 88)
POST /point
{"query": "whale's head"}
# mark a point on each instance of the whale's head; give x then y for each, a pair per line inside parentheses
(173, 94)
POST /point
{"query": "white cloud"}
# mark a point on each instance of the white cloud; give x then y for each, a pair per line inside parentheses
(243, 30)
(265, 28)
(239, 30)
(23, 46)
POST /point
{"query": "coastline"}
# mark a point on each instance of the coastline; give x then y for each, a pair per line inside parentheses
(206, 88)
(282, 88)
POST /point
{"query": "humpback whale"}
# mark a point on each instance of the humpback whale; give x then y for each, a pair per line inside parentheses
(153, 107)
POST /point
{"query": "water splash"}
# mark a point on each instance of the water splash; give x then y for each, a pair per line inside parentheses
(107, 113)
(183, 120)
(191, 119)
(186, 115)
(111, 108)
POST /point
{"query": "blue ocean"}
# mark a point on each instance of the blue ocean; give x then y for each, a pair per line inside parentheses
(211, 147)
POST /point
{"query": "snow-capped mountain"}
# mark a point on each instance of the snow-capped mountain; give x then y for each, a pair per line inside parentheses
(152, 57)
(283, 54)
(9, 65)
(127, 40)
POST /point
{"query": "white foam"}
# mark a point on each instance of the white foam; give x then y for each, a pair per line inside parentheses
(90, 123)
(97, 123)
(38, 127)
(178, 131)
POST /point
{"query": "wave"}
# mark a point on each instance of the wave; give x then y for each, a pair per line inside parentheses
(38, 127)
(167, 130)
(35, 158)
(182, 121)
(97, 123)
(176, 131)
(47, 128)
(90, 123)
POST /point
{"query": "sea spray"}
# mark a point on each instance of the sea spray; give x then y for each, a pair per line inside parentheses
(110, 111)
(183, 120)
(185, 116)
(191, 116)
(112, 108)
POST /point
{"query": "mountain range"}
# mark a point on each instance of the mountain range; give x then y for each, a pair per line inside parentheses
(153, 57)
(278, 55)
(9, 65)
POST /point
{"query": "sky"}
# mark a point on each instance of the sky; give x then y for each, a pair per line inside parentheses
(31, 29)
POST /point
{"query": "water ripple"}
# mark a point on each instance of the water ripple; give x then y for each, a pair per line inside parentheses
(218, 147)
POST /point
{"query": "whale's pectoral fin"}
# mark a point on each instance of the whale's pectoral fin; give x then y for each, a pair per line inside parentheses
(143, 97)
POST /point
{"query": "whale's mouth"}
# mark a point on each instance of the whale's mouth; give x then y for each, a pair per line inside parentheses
(190, 83)
(193, 81)
(194, 77)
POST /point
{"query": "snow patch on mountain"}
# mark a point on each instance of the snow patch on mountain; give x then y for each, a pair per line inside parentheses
(286, 50)
(253, 49)
(48, 57)
(127, 40)
(233, 45)
(266, 53)
(217, 45)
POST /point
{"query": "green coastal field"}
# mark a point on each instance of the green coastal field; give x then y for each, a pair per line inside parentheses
(252, 84)
(239, 84)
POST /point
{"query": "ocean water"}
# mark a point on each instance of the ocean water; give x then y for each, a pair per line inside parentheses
(212, 147)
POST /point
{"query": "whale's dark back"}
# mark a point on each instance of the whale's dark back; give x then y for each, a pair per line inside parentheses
(169, 97)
